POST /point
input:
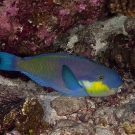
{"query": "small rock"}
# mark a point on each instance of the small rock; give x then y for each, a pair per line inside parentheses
(126, 112)
(119, 111)
(65, 123)
(85, 118)
(67, 105)
(103, 131)
(105, 113)
(67, 127)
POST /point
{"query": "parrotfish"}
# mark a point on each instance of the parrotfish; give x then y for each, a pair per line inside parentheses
(68, 74)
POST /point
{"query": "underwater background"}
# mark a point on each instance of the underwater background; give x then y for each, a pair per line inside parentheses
(99, 30)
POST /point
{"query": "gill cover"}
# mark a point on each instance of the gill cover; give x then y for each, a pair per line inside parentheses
(97, 88)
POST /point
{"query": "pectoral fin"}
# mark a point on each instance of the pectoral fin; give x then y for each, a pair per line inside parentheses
(70, 79)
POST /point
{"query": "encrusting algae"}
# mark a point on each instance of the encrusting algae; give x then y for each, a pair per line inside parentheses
(9, 118)
(39, 18)
(29, 120)
(125, 7)
(129, 128)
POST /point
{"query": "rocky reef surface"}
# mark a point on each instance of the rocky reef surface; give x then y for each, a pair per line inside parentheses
(71, 27)
(32, 109)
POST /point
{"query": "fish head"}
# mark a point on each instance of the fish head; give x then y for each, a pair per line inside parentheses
(102, 82)
(111, 79)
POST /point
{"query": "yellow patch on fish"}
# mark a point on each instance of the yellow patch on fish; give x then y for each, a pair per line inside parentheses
(97, 88)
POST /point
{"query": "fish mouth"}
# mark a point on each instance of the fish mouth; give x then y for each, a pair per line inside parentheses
(117, 89)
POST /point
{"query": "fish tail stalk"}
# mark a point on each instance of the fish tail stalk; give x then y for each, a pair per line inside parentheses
(7, 61)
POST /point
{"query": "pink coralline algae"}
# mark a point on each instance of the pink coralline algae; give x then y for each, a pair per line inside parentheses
(8, 9)
(28, 26)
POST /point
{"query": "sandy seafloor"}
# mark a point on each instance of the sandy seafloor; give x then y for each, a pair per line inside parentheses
(84, 115)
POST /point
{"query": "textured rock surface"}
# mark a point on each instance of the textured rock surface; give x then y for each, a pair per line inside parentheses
(126, 112)
(71, 127)
(63, 105)
(103, 130)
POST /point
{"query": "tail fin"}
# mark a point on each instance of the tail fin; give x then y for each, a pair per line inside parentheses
(7, 61)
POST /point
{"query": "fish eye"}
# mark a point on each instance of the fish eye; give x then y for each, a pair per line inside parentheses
(101, 77)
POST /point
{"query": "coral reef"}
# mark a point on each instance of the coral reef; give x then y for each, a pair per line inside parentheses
(79, 41)
(125, 7)
(28, 27)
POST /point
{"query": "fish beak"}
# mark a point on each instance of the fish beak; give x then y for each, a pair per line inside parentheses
(118, 89)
